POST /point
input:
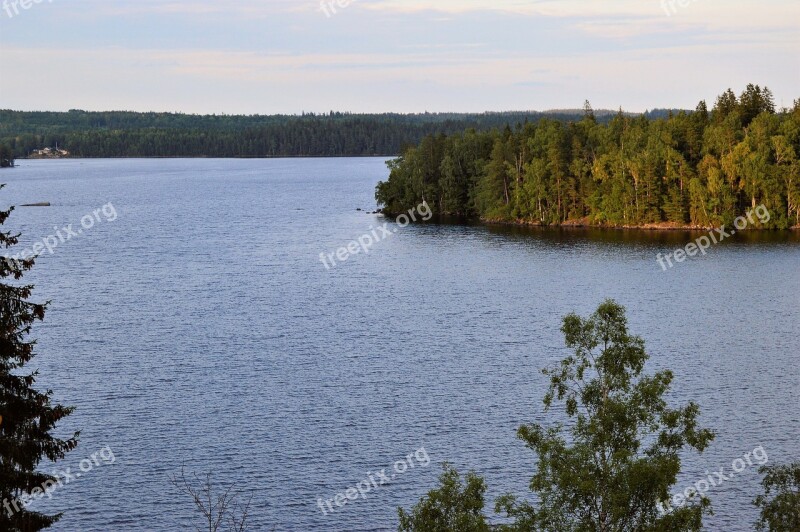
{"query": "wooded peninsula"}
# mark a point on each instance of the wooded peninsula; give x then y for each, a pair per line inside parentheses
(689, 169)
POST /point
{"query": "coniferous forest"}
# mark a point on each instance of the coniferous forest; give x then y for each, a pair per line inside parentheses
(698, 169)
(128, 134)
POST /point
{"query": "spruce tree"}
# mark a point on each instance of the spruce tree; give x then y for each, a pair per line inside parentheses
(28, 416)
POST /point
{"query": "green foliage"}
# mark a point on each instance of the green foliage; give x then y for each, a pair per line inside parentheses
(6, 156)
(780, 503)
(622, 452)
(611, 469)
(126, 134)
(28, 416)
(700, 169)
(454, 506)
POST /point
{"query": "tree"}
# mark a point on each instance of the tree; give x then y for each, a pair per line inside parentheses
(780, 503)
(453, 507)
(6, 156)
(216, 508)
(588, 112)
(693, 167)
(622, 455)
(701, 112)
(28, 416)
(493, 194)
(754, 101)
(726, 104)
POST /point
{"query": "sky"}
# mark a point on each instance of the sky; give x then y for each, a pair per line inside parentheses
(293, 56)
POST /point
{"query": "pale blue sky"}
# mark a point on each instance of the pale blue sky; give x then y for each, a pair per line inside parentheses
(288, 56)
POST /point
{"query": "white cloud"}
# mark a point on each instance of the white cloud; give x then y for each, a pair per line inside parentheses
(638, 16)
(436, 57)
(246, 82)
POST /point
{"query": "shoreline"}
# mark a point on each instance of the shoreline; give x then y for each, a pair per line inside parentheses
(661, 227)
(207, 157)
(654, 227)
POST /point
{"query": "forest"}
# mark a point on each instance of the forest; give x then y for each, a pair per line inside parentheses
(688, 169)
(128, 134)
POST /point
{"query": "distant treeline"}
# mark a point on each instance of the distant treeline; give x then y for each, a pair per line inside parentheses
(696, 168)
(128, 134)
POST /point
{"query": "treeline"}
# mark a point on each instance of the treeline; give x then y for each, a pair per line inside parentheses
(6, 156)
(696, 168)
(127, 134)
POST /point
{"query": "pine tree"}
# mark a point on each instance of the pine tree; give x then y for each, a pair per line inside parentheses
(28, 416)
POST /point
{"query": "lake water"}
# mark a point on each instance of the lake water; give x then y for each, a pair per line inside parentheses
(200, 329)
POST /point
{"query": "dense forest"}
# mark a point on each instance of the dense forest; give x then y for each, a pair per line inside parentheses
(127, 134)
(6, 156)
(696, 168)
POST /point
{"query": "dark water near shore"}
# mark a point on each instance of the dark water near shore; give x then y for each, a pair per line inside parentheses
(200, 328)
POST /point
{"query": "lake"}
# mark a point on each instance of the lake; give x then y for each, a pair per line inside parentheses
(200, 329)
